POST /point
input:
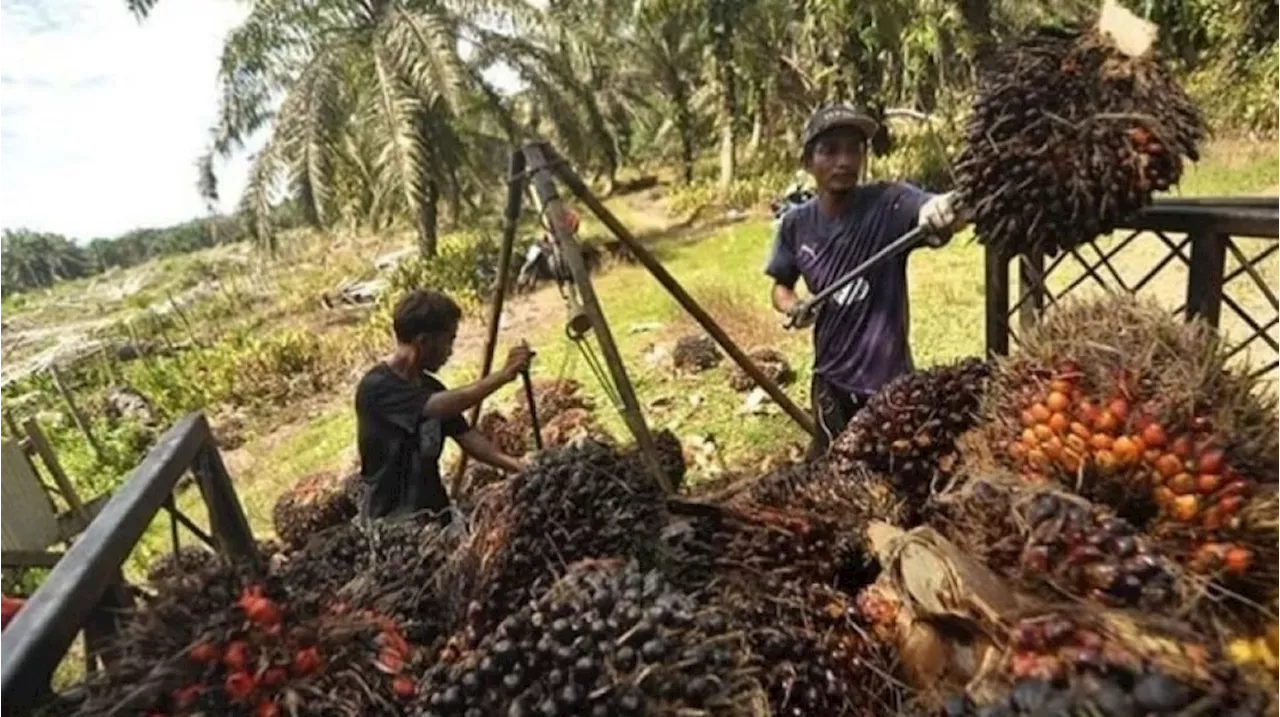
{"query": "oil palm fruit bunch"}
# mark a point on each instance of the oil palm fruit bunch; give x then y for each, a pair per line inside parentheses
(581, 501)
(1145, 694)
(1055, 541)
(313, 503)
(386, 566)
(1060, 644)
(224, 640)
(1072, 131)
(850, 497)
(187, 559)
(908, 429)
(772, 362)
(695, 353)
(1140, 411)
(812, 656)
(605, 639)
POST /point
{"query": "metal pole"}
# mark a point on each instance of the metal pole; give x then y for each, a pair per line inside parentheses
(533, 408)
(227, 522)
(537, 156)
(580, 189)
(898, 246)
(515, 196)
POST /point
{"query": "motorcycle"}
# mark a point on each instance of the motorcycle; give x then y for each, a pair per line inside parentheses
(795, 196)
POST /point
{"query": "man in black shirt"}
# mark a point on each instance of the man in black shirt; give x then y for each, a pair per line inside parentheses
(403, 413)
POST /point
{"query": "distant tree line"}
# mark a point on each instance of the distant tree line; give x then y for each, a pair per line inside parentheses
(33, 259)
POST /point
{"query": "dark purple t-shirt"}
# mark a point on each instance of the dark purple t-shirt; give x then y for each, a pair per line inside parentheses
(860, 336)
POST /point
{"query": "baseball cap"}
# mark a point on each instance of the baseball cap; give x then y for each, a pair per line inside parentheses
(840, 115)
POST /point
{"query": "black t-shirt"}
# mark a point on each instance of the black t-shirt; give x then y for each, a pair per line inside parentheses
(400, 446)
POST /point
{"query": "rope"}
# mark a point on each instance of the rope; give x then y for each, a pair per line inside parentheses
(602, 377)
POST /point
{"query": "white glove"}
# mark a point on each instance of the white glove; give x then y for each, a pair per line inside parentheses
(938, 217)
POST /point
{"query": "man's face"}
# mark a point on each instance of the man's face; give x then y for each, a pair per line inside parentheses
(435, 349)
(836, 159)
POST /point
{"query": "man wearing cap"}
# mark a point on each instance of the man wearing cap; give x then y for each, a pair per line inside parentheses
(860, 335)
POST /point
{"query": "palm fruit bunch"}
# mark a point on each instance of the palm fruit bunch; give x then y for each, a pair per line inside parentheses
(1120, 694)
(386, 566)
(1259, 653)
(1072, 130)
(772, 362)
(223, 640)
(695, 353)
(850, 497)
(553, 397)
(565, 415)
(187, 559)
(505, 434)
(757, 544)
(315, 502)
(1053, 541)
(1137, 410)
(581, 501)
(909, 428)
(811, 653)
(605, 639)
(1162, 669)
(779, 574)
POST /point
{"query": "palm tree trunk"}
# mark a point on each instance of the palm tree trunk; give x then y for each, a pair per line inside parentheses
(428, 220)
(684, 123)
(722, 30)
(757, 121)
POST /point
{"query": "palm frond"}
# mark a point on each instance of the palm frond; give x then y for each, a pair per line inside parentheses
(207, 181)
(309, 126)
(255, 208)
(140, 8)
(424, 45)
(397, 165)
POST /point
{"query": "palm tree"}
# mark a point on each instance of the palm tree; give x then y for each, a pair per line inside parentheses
(365, 99)
(667, 41)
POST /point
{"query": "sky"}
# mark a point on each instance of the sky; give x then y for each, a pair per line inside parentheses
(102, 115)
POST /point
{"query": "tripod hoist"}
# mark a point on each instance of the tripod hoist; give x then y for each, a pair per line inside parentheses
(539, 165)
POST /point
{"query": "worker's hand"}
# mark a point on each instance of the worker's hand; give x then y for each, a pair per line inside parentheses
(518, 359)
(800, 316)
(938, 219)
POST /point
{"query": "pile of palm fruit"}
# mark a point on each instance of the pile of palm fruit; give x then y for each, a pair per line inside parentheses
(315, 502)
(1086, 527)
(978, 580)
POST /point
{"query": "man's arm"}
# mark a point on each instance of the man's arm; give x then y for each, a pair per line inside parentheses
(453, 402)
(480, 448)
(783, 269)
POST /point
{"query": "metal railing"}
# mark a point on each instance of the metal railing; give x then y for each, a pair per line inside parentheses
(1198, 234)
(79, 586)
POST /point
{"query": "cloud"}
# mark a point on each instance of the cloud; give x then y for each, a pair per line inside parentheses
(102, 117)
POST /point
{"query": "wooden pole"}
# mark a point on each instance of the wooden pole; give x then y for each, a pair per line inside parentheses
(186, 323)
(108, 365)
(549, 205)
(515, 193)
(42, 448)
(76, 415)
(668, 282)
(227, 522)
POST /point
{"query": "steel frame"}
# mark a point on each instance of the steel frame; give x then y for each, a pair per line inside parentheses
(84, 579)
